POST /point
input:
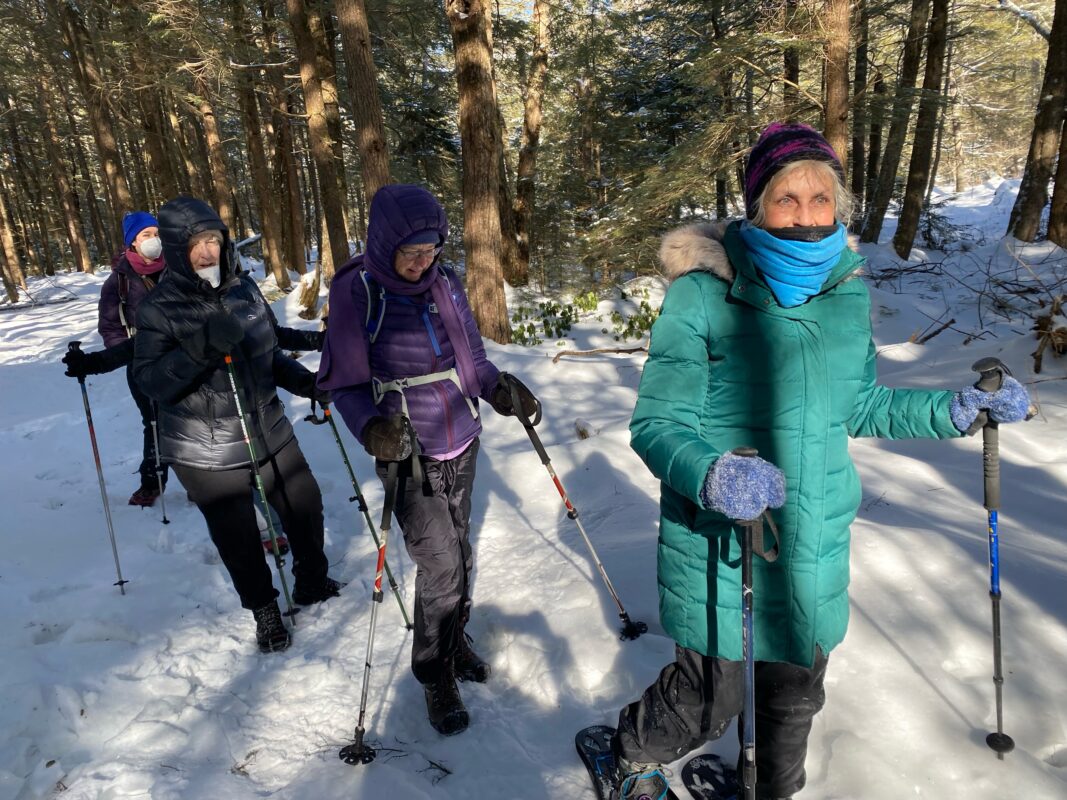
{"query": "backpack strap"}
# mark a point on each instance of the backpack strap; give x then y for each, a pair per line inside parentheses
(124, 294)
(376, 302)
(375, 305)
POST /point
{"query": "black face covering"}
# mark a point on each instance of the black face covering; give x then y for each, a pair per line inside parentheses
(803, 233)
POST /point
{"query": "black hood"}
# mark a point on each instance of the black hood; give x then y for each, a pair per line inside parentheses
(179, 220)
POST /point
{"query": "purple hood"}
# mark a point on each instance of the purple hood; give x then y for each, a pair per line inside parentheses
(403, 348)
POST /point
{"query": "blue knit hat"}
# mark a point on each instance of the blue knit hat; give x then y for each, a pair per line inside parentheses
(431, 236)
(134, 222)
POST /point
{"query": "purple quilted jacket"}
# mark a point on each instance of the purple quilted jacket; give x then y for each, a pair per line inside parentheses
(403, 348)
(110, 323)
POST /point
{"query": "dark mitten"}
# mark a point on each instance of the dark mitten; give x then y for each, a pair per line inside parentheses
(742, 487)
(387, 439)
(501, 401)
(220, 334)
(79, 364)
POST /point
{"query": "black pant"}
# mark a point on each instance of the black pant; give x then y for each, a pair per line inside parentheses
(147, 469)
(435, 520)
(696, 697)
(224, 497)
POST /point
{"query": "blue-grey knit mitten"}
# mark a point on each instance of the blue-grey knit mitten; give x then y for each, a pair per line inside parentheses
(1009, 403)
(742, 487)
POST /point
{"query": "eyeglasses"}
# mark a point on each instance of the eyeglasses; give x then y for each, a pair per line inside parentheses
(411, 254)
(210, 240)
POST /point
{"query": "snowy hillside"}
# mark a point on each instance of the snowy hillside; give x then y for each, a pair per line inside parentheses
(161, 693)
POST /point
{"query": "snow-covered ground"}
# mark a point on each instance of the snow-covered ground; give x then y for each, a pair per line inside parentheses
(161, 693)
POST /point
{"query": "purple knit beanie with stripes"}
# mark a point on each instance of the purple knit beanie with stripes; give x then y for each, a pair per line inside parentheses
(779, 144)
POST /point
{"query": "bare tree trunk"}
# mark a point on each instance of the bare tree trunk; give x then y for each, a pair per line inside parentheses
(835, 116)
(31, 212)
(1045, 140)
(188, 172)
(1057, 217)
(876, 109)
(79, 248)
(478, 120)
(526, 174)
(878, 203)
(216, 154)
(12, 267)
(922, 148)
(860, 104)
(323, 34)
(335, 253)
(790, 66)
(363, 98)
(286, 173)
(946, 100)
(100, 234)
(509, 244)
(151, 119)
(257, 158)
(92, 82)
(193, 129)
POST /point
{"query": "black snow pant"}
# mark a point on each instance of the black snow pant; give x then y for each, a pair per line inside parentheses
(696, 697)
(224, 497)
(147, 470)
(435, 520)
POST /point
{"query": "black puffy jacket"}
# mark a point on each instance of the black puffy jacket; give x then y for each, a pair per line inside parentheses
(199, 425)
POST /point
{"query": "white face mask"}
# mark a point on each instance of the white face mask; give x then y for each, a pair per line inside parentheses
(212, 275)
(151, 248)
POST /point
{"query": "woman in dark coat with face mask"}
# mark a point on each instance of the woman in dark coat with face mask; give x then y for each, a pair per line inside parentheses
(135, 274)
(203, 310)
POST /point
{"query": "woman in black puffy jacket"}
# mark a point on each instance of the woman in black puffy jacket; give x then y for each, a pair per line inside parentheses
(204, 309)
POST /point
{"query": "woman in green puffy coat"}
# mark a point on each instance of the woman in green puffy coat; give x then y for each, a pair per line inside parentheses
(764, 341)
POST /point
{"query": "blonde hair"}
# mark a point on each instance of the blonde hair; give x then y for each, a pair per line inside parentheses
(843, 201)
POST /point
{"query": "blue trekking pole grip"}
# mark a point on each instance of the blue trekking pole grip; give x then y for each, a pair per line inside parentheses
(992, 372)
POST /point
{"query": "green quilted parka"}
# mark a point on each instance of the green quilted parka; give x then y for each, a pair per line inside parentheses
(729, 367)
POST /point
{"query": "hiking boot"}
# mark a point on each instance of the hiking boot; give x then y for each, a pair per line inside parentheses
(468, 665)
(145, 496)
(324, 591)
(271, 633)
(642, 781)
(445, 707)
(283, 545)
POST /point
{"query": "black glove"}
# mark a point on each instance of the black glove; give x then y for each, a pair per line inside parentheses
(387, 439)
(79, 364)
(220, 334)
(321, 396)
(500, 397)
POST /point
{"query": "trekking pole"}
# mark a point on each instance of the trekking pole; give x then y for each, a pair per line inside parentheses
(279, 562)
(362, 503)
(359, 752)
(121, 582)
(751, 529)
(159, 467)
(992, 372)
(630, 628)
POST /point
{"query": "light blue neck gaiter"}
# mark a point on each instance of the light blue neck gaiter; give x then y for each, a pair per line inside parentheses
(794, 270)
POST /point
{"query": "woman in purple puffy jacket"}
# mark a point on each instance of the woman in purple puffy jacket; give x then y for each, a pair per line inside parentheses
(403, 342)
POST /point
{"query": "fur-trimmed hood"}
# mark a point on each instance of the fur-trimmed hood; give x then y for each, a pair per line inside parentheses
(699, 246)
